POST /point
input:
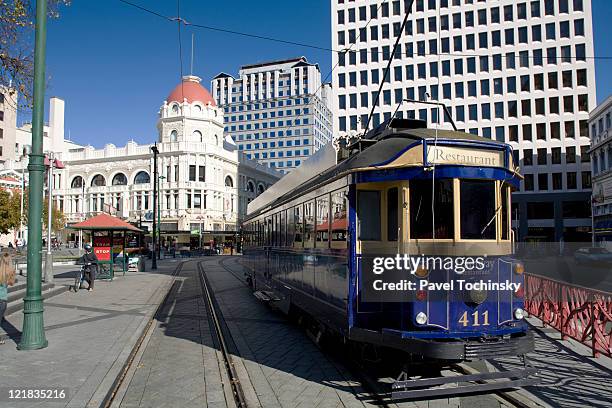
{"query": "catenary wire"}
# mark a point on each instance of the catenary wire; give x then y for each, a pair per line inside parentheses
(345, 50)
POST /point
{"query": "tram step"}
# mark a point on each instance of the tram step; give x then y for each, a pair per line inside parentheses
(265, 296)
(422, 388)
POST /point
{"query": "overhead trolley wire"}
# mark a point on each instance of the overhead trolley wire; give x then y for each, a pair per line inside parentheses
(338, 51)
(387, 69)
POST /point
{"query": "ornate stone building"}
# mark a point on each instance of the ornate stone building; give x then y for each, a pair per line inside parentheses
(205, 183)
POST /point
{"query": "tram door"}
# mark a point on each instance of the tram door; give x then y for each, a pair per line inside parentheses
(380, 233)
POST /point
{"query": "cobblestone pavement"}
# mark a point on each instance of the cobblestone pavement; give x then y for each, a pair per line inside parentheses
(179, 366)
(89, 335)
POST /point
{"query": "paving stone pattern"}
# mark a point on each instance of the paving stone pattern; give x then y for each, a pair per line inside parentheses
(87, 334)
(179, 367)
(285, 367)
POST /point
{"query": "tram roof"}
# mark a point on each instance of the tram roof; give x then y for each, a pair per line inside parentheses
(389, 141)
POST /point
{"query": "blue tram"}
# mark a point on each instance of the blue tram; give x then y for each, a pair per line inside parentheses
(311, 242)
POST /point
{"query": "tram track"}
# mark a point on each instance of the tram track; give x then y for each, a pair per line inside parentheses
(219, 329)
(374, 387)
(110, 397)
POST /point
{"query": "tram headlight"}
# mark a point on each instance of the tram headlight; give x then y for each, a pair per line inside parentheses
(421, 318)
(519, 268)
(421, 272)
(519, 314)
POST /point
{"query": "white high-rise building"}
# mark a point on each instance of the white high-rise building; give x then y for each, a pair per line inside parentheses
(277, 112)
(519, 71)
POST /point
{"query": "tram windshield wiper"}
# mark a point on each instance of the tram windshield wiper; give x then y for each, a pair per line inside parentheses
(490, 221)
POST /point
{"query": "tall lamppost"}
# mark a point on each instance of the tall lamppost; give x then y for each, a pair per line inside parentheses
(52, 162)
(33, 332)
(161, 178)
(155, 209)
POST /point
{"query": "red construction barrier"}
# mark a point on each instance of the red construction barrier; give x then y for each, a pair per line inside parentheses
(583, 314)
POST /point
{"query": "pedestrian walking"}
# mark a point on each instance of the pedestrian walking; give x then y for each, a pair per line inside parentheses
(7, 278)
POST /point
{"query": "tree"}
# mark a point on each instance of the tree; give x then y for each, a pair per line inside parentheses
(58, 220)
(8, 219)
(17, 45)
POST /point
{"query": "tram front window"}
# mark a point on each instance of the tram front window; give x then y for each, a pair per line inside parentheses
(422, 220)
(478, 209)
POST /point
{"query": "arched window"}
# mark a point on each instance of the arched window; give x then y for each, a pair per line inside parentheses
(250, 187)
(142, 178)
(260, 189)
(98, 181)
(175, 109)
(119, 180)
(77, 182)
(197, 136)
(173, 136)
(229, 182)
(198, 108)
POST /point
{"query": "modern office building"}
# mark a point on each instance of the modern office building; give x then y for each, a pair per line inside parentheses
(600, 124)
(277, 112)
(517, 71)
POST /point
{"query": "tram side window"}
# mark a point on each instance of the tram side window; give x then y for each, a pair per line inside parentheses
(368, 214)
(392, 214)
(421, 218)
(339, 215)
(309, 224)
(505, 193)
(477, 209)
(276, 229)
(290, 227)
(322, 225)
(268, 230)
(283, 228)
(299, 225)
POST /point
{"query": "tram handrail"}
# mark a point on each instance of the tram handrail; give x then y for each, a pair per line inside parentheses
(581, 313)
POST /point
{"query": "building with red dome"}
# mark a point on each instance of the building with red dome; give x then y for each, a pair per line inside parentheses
(205, 183)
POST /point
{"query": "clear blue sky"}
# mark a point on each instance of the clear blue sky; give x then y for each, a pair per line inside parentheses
(114, 65)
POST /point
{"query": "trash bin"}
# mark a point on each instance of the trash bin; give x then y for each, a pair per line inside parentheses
(141, 264)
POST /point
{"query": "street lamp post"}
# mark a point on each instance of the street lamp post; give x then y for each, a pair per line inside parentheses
(33, 333)
(21, 204)
(159, 220)
(154, 232)
(49, 257)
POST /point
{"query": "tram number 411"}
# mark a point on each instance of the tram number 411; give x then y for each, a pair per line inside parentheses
(478, 319)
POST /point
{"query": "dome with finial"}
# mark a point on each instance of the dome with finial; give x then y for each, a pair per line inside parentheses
(192, 90)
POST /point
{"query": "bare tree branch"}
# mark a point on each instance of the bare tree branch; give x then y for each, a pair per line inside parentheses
(17, 24)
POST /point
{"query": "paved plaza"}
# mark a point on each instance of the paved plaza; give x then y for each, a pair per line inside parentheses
(177, 362)
(90, 335)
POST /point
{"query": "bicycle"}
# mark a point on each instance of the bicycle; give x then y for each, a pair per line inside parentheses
(80, 277)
